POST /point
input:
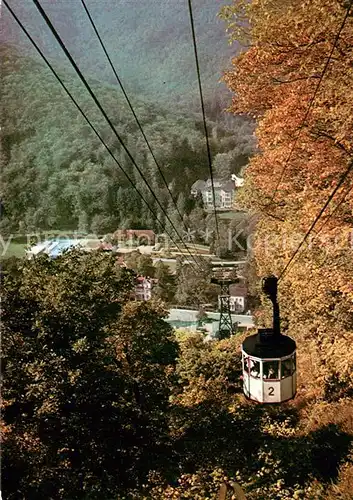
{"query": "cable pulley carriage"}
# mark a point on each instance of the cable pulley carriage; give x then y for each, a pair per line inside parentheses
(269, 359)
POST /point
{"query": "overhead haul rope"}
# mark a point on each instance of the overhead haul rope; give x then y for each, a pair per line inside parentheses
(88, 121)
(340, 182)
(325, 68)
(133, 112)
(328, 218)
(203, 115)
(88, 88)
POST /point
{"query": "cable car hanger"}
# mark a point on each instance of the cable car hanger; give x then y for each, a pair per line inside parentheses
(269, 358)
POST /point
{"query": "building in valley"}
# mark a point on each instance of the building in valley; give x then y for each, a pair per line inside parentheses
(224, 193)
(135, 236)
(237, 298)
(144, 288)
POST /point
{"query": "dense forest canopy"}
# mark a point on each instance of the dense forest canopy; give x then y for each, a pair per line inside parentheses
(149, 42)
(57, 174)
(77, 330)
(102, 400)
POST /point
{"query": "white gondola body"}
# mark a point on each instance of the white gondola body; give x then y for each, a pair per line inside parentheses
(270, 379)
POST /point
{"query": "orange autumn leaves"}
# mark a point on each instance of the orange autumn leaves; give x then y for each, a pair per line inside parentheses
(275, 80)
(302, 155)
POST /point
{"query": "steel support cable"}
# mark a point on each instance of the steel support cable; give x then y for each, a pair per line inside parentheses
(329, 217)
(203, 114)
(118, 79)
(98, 104)
(87, 119)
(325, 68)
(334, 210)
(267, 205)
(341, 181)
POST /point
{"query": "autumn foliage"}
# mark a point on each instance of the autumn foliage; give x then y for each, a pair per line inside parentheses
(295, 77)
(303, 154)
(102, 401)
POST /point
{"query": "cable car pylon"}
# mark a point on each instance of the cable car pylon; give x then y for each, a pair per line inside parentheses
(225, 329)
(269, 358)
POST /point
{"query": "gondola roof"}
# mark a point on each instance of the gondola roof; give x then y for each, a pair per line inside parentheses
(265, 344)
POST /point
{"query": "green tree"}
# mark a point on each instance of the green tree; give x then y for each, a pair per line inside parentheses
(165, 288)
(87, 376)
(201, 316)
(145, 266)
(83, 222)
(132, 259)
(197, 223)
(222, 166)
(101, 224)
(181, 203)
(193, 288)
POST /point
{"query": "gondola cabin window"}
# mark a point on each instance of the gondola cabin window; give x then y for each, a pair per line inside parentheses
(287, 367)
(271, 370)
(245, 365)
(255, 368)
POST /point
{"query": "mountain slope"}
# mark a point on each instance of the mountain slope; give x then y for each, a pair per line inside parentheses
(57, 174)
(149, 42)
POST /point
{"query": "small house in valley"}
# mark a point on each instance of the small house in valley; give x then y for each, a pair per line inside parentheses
(224, 192)
(137, 236)
(144, 288)
(237, 300)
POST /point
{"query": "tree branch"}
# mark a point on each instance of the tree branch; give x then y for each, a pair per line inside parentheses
(275, 80)
(321, 133)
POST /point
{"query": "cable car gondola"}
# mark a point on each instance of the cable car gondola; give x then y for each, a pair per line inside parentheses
(269, 359)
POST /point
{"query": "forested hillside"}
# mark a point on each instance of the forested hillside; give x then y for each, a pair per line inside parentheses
(296, 80)
(57, 174)
(149, 42)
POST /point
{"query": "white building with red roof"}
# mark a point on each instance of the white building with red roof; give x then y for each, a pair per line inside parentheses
(144, 288)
